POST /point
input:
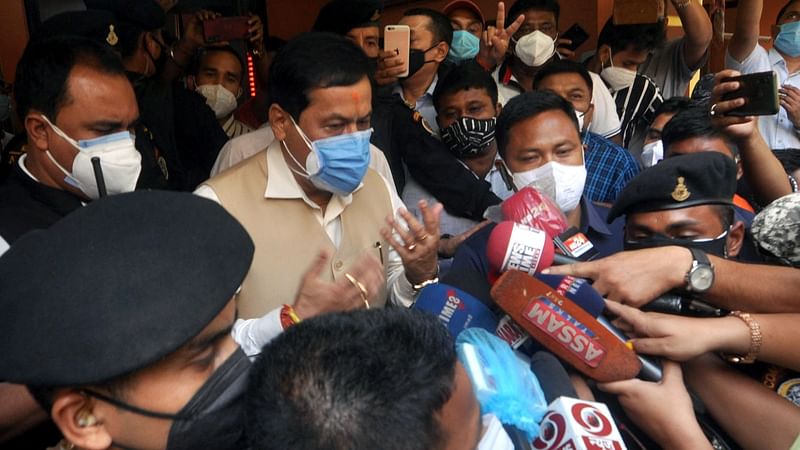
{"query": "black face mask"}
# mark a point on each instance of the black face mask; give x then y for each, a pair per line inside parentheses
(213, 417)
(717, 246)
(468, 137)
(416, 59)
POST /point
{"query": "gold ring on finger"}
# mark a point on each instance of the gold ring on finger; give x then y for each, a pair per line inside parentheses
(411, 247)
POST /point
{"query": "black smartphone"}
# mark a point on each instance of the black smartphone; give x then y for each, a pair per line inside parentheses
(226, 28)
(576, 34)
(760, 91)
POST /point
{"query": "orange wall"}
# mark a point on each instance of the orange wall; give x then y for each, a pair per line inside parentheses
(287, 18)
(13, 36)
(302, 17)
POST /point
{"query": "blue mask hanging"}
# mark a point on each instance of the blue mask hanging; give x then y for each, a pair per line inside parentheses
(465, 46)
(336, 164)
(788, 40)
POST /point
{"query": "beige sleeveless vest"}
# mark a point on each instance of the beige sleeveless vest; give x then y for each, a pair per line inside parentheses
(288, 237)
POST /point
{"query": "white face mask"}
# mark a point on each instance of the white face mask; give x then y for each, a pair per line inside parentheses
(221, 100)
(617, 78)
(652, 153)
(562, 183)
(535, 49)
(120, 162)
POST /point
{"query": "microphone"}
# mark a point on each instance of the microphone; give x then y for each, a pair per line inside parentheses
(456, 309)
(98, 176)
(584, 295)
(503, 385)
(512, 246)
(676, 304)
(564, 328)
(578, 425)
(575, 244)
(531, 208)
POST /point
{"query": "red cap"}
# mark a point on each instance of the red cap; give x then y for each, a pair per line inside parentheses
(464, 4)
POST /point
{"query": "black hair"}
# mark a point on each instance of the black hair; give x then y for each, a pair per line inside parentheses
(520, 6)
(726, 215)
(311, 61)
(525, 106)
(557, 66)
(468, 75)
(440, 24)
(690, 123)
(194, 68)
(43, 71)
(783, 10)
(357, 380)
(674, 105)
(116, 388)
(642, 37)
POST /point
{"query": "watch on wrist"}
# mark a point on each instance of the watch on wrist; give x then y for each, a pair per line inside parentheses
(700, 276)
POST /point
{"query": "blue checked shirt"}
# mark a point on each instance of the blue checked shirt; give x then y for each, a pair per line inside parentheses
(609, 168)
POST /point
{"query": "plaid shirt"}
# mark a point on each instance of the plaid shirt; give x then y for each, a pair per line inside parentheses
(609, 168)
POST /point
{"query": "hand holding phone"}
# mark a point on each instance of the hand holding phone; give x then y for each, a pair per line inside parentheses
(759, 91)
(226, 29)
(397, 40)
(576, 35)
(730, 111)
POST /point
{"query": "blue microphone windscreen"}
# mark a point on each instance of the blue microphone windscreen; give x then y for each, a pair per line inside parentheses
(456, 309)
(576, 289)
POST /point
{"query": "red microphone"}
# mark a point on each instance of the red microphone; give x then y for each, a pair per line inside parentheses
(513, 246)
(530, 207)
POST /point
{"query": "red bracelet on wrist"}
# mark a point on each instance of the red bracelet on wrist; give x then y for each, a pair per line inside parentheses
(288, 317)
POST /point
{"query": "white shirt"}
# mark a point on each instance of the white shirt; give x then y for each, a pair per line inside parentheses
(605, 120)
(240, 148)
(778, 130)
(252, 334)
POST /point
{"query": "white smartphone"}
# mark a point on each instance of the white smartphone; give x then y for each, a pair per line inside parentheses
(397, 39)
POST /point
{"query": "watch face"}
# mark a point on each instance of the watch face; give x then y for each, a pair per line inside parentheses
(701, 278)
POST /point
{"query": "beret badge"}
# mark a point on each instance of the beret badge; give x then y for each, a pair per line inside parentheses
(681, 192)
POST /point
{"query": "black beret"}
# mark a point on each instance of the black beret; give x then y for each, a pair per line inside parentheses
(341, 16)
(115, 286)
(146, 15)
(99, 26)
(705, 178)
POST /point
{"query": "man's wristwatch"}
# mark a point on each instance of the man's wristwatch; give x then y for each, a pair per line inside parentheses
(700, 276)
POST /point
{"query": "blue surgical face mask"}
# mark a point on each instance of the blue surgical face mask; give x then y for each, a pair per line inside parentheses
(465, 46)
(788, 40)
(336, 164)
